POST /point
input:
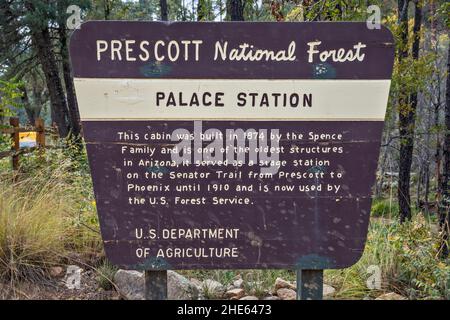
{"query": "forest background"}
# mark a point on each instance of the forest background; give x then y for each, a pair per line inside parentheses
(47, 210)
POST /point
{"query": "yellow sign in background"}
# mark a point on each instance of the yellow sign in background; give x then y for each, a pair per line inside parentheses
(27, 139)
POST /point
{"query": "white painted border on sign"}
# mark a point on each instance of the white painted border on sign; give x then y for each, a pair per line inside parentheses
(135, 99)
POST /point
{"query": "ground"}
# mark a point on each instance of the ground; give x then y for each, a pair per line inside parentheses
(55, 289)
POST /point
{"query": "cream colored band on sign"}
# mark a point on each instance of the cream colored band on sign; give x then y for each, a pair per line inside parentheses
(213, 99)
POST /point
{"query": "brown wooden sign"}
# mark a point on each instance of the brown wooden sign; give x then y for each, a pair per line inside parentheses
(232, 145)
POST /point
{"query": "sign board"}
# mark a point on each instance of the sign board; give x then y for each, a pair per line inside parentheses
(27, 139)
(232, 145)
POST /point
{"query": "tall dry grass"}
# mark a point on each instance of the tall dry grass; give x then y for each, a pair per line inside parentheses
(45, 216)
(407, 257)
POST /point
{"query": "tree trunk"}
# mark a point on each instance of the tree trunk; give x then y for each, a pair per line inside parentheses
(235, 9)
(42, 42)
(438, 153)
(203, 10)
(434, 108)
(382, 164)
(32, 112)
(413, 98)
(164, 10)
(184, 10)
(74, 116)
(426, 178)
(437, 104)
(276, 11)
(106, 9)
(444, 206)
(419, 186)
(405, 120)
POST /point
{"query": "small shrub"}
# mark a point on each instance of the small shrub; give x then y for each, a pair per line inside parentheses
(385, 208)
(105, 275)
(407, 255)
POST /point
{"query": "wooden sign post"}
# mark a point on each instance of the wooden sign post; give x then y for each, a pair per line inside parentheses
(232, 145)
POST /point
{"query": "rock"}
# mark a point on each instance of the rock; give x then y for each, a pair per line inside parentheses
(271, 298)
(238, 283)
(57, 272)
(180, 288)
(391, 296)
(328, 290)
(212, 284)
(197, 283)
(286, 294)
(212, 288)
(130, 284)
(281, 283)
(235, 294)
(249, 298)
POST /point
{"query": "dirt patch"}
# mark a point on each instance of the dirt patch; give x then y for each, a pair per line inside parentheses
(56, 289)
